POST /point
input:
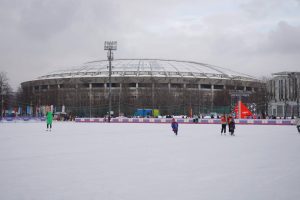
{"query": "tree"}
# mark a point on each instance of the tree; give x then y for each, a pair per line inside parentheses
(5, 91)
(261, 97)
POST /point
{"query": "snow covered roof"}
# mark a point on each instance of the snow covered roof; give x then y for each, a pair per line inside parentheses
(286, 73)
(149, 68)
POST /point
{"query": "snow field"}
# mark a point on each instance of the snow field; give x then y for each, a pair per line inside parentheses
(147, 161)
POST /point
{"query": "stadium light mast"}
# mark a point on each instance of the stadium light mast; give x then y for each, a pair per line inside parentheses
(110, 46)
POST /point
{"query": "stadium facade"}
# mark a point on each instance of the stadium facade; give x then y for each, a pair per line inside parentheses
(172, 86)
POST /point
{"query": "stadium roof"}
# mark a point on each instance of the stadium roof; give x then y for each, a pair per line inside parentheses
(149, 68)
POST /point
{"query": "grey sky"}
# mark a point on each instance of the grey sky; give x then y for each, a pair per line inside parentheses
(250, 36)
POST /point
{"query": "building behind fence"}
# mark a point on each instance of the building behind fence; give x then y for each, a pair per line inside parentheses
(171, 86)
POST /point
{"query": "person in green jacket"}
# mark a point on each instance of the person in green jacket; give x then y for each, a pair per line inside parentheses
(49, 116)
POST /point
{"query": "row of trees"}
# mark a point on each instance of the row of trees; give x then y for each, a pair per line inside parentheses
(6, 93)
(10, 99)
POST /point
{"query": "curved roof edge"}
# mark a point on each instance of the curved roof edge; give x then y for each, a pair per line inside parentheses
(221, 73)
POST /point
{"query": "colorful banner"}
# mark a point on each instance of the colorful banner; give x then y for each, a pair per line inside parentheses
(189, 121)
(241, 111)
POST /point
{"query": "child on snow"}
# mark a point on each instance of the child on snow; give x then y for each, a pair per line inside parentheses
(174, 126)
(231, 126)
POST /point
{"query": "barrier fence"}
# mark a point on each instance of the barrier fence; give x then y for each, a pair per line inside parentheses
(23, 119)
(158, 120)
(187, 121)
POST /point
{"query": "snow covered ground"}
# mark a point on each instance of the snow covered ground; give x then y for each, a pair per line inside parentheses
(82, 161)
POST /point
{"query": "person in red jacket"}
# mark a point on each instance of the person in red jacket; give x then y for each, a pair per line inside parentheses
(224, 123)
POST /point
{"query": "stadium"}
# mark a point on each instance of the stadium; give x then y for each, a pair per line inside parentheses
(171, 86)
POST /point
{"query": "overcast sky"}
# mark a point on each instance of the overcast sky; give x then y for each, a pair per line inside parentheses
(256, 37)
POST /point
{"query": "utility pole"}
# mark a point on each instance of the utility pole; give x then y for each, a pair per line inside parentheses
(110, 46)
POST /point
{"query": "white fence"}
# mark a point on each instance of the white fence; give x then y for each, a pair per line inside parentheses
(158, 120)
(187, 121)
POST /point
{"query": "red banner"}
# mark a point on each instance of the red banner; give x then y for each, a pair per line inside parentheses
(241, 111)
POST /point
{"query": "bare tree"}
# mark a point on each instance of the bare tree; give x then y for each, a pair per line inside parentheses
(260, 96)
(5, 91)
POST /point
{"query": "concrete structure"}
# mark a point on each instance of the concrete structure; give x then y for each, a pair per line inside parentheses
(283, 91)
(170, 85)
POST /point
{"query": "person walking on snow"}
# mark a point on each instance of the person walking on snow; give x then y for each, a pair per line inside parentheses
(223, 122)
(297, 122)
(49, 116)
(228, 121)
(174, 126)
(231, 126)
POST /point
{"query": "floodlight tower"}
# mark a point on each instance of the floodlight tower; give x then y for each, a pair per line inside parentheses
(110, 46)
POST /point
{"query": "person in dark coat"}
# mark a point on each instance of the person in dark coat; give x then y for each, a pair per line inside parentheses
(297, 121)
(228, 121)
(174, 126)
(231, 126)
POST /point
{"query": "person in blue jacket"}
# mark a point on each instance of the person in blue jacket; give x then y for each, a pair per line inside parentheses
(174, 126)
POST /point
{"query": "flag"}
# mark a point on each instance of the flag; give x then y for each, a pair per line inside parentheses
(241, 111)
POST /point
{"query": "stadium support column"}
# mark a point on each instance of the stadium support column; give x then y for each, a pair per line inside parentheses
(297, 94)
(212, 97)
(90, 97)
(110, 46)
(152, 94)
(137, 91)
(120, 93)
(198, 90)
